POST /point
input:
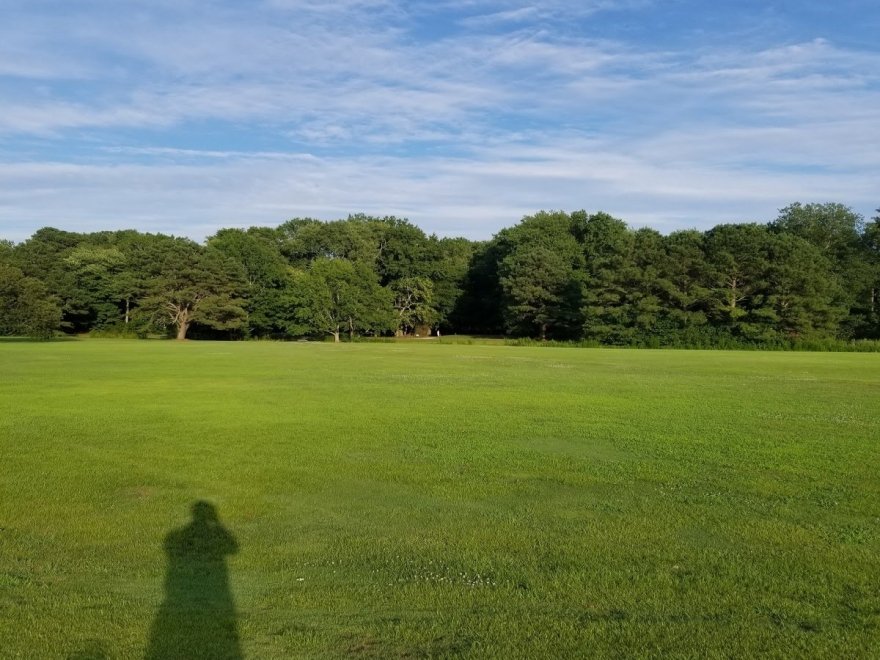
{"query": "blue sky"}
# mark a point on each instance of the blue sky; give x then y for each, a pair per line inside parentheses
(185, 116)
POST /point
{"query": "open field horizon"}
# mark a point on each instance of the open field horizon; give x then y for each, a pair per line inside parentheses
(437, 500)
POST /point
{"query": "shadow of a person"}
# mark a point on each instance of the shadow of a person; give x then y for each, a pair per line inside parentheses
(197, 619)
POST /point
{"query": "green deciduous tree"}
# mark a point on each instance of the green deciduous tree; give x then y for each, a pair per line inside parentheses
(26, 306)
(258, 255)
(337, 295)
(836, 232)
(541, 292)
(540, 276)
(833, 228)
(413, 303)
(100, 278)
(196, 285)
(42, 257)
(266, 273)
(401, 249)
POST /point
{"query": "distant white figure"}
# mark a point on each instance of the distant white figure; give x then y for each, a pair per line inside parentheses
(438, 332)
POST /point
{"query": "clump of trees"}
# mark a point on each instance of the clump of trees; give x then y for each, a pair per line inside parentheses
(353, 277)
(811, 273)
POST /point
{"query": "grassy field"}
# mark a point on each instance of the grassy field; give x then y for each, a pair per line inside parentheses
(436, 500)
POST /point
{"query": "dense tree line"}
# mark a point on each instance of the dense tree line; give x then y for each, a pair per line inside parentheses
(812, 273)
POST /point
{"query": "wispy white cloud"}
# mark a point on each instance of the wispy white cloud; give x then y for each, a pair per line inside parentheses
(194, 193)
(463, 130)
(501, 17)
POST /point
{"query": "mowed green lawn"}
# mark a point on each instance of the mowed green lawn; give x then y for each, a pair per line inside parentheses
(437, 500)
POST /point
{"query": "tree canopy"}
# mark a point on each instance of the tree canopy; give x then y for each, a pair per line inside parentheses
(813, 272)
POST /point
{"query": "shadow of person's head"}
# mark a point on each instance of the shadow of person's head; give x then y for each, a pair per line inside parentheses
(205, 513)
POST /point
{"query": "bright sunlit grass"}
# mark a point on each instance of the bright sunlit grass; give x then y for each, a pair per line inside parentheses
(429, 499)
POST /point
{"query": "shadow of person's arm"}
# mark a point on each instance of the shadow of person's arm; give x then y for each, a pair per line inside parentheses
(226, 542)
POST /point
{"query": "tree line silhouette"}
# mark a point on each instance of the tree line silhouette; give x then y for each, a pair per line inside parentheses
(812, 273)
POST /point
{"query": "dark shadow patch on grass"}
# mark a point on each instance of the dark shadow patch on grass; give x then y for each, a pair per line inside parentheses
(444, 646)
(197, 618)
(810, 626)
(602, 616)
(92, 650)
(36, 340)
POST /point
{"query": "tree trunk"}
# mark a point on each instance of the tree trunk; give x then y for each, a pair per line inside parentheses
(336, 336)
(543, 332)
(127, 308)
(182, 324)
